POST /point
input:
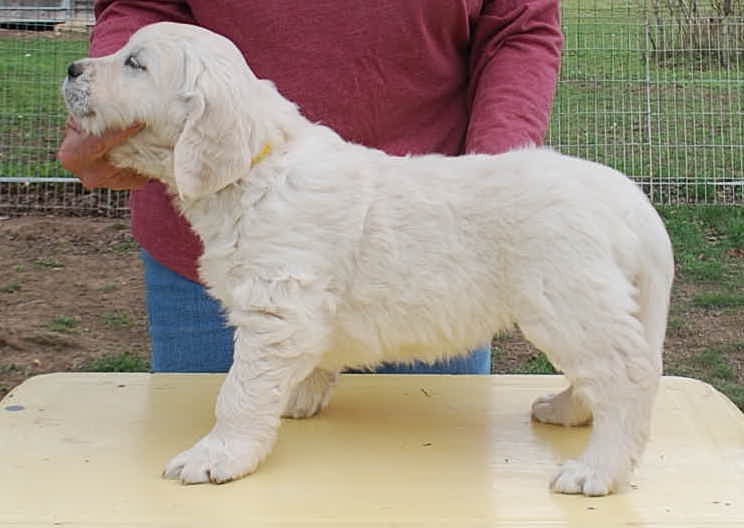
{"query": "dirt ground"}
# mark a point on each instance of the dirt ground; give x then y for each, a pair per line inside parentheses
(72, 291)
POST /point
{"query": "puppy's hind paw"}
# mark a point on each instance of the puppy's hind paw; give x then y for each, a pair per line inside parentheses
(561, 409)
(311, 395)
(577, 477)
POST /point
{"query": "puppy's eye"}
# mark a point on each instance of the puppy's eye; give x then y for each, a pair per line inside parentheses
(134, 63)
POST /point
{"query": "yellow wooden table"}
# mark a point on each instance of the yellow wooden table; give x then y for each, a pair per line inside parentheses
(86, 450)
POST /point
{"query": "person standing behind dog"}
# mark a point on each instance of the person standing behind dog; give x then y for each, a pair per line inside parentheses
(403, 76)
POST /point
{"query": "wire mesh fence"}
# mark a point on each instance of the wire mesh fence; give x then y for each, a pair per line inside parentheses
(654, 88)
(63, 195)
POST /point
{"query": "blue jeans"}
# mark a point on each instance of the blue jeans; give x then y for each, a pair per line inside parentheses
(189, 332)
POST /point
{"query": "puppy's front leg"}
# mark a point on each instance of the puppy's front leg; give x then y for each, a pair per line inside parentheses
(264, 371)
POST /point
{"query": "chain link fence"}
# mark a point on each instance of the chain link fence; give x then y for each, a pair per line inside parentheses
(654, 88)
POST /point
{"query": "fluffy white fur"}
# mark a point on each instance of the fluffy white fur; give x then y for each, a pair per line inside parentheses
(329, 255)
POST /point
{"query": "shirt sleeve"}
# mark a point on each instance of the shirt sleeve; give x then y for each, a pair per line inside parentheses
(515, 60)
(117, 20)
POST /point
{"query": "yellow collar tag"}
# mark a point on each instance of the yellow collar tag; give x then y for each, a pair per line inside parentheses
(258, 158)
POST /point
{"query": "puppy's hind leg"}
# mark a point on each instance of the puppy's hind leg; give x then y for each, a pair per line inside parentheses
(311, 395)
(621, 420)
(600, 345)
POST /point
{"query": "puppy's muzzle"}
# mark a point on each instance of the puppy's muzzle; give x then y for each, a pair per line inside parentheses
(76, 90)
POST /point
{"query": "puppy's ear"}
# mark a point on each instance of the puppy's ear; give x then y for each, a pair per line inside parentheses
(213, 149)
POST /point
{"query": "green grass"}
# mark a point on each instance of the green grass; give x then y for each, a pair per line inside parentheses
(116, 319)
(706, 241)
(713, 365)
(734, 391)
(537, 364)
(31, 110)
(12, 367)
(718, 300)
(124, 362)
(10, 288)
(48, 263)
(63, 324)
(125, 246)
(675, 323)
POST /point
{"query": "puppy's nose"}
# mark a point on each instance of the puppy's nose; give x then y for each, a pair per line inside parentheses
(74, 70)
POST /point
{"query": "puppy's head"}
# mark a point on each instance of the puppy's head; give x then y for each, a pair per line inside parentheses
(186, 84)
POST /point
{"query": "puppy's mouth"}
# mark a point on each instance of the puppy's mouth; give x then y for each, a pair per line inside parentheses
(77, 99)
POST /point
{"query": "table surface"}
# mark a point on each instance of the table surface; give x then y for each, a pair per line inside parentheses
(86, 450)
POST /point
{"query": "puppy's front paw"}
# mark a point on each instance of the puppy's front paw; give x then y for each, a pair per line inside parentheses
(215, 459)
(577, 477)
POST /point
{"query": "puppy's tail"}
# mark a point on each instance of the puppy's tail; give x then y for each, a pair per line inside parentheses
(655, 278)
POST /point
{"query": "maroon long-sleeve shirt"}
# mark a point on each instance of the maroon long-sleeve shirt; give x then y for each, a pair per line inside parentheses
(405, 76)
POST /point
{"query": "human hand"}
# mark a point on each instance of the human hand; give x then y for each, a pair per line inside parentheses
(86, 156)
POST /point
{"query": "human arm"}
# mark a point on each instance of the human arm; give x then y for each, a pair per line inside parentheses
(515, 60)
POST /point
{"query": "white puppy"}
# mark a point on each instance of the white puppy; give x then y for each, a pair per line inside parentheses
(329, 255)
